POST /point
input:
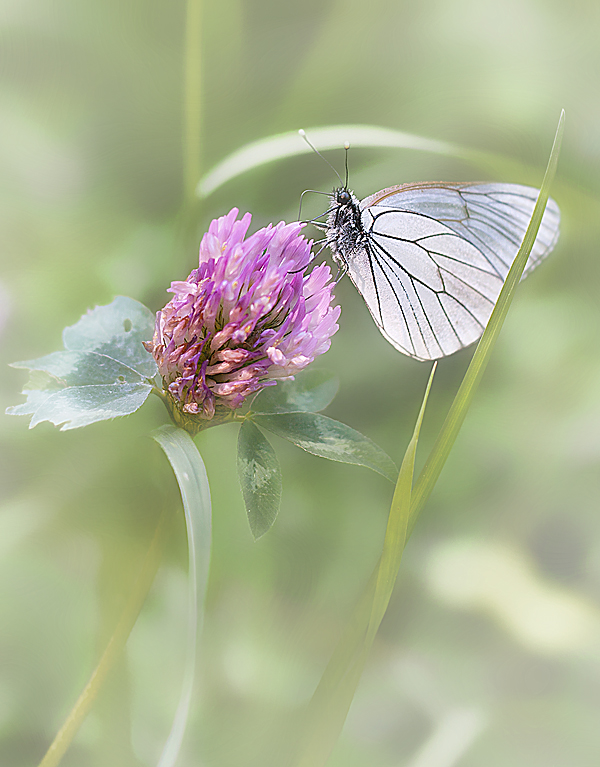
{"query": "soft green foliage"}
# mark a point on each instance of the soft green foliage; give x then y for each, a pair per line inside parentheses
(103, 374)
(330, 439)
(260, 478)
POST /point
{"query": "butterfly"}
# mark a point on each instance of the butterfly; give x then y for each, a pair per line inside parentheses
(430, 259)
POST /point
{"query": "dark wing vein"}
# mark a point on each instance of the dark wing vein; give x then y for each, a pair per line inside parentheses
(372, 257)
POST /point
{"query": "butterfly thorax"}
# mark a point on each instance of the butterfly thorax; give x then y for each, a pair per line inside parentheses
(345, 231)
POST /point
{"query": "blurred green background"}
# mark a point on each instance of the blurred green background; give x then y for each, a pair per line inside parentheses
(489, 653)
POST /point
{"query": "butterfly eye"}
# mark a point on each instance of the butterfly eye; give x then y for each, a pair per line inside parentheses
(343, 197)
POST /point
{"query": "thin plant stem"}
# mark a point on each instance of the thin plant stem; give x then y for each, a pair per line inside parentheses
(331, 701)
(113, 649)
(192, 98)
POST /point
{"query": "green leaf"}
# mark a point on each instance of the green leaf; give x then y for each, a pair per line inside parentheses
(103, 374)
(260, 478)
(117, 330)
(330, 439)
(309, 392)
(191, 476)
(81, 405)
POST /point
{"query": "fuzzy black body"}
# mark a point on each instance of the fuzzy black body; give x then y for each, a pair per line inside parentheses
(346, 235)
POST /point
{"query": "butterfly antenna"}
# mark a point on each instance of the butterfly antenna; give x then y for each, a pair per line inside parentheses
(346, 148)
(316, 151)
(314, 191)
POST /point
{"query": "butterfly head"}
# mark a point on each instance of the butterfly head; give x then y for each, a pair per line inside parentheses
(342, 196)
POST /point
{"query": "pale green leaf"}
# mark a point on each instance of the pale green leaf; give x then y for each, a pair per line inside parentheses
(330, 439)
(260, 478)
(104, 373)
(117, 330)
(82, 405)
(72, 368)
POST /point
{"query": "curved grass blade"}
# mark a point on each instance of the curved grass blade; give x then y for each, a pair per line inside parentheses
(332, 699)
(290, 144)
(333, 696)
(396, 533)
(458, 410)
(191, 476)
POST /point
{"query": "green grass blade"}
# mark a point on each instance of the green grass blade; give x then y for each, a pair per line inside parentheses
(396, 533)
(458, 410)
(332, 699)
(191, 476)
(290, 144)
(333, 696)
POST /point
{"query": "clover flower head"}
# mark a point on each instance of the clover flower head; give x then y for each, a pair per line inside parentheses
(249, 315)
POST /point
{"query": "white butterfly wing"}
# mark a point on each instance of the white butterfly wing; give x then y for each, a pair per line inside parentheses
(437, 257)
